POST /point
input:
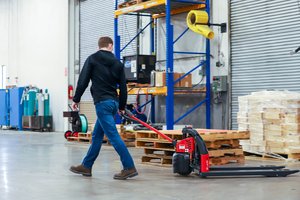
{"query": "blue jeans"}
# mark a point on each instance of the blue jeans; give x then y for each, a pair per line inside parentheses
(106, 110)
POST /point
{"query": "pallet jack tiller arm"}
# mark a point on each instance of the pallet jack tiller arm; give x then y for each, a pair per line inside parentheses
(130, 116)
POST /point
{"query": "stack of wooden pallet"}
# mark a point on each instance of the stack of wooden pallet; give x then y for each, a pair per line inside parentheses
(128, 3)
(82, 137)
(223, 146)
(127, 136)
(273, 119)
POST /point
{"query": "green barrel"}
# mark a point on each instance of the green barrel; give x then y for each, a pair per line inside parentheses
(31, 102)
(46, 103)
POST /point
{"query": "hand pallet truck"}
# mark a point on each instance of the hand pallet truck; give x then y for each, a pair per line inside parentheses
(78, 121)
(191, 155)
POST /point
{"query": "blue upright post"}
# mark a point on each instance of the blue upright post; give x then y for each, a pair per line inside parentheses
(152, 42)
(152, 49)
(116, 35)
(153, 109)
(169, 69)
(208, 93)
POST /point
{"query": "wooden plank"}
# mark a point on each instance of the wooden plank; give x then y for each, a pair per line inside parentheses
(72, 139)
(157, 149)
(87, 135)
(213, 161)
(225, 152)
(129, 3)
(227, 160)
(159, 152)
(147, 142)
(159, 156)
(84, 139)
(157, 160)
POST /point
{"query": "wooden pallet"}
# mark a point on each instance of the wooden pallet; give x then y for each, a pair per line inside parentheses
(223, 146)
(157, 160)
(227, 159)
(156, 143)
(137, 85)
(272, 156)
(166, 161)
(130, 3)
(72, 139)
(207, 135)
(225, 152)
(82, 137)
(85, 135)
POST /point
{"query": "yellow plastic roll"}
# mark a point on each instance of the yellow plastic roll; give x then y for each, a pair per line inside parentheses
(196, 21)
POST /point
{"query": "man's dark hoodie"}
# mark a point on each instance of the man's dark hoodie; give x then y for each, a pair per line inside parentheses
(106, 73)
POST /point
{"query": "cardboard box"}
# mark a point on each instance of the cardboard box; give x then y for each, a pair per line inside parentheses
(177, 76)
(160, 79)
(186, 81)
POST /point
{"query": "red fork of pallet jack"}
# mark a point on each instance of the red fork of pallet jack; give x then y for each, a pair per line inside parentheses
(148, 126)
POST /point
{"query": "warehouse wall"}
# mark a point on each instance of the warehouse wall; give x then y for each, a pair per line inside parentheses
(34, 47)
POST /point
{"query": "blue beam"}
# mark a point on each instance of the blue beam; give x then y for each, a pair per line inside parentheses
(188, 52)
(189, 111)
(136, 36)
(169, 68)
(182, 34)
(182, 77)
(153, 109)
(152, 39)
(116, 35)
(139, 14)
(145, 104)
(208, 89)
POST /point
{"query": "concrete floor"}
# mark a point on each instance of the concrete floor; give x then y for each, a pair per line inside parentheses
(35, 166)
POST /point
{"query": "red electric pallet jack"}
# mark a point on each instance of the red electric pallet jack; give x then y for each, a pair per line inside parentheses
(191, 155)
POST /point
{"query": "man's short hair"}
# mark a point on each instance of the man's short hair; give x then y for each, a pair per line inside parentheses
(104, 42)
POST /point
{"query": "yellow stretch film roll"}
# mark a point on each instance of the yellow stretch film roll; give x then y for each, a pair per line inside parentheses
(196, 21)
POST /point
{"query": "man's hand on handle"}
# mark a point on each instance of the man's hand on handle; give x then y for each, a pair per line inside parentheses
(75, 106)
(121, 112)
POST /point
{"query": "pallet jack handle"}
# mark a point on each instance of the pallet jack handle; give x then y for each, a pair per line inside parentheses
(130, 116)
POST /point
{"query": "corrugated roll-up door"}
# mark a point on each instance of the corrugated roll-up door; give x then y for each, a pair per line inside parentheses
(262, 35)
(96, 20)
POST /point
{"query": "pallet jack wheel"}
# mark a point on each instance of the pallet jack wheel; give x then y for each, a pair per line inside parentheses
(75, 134)
(186, 173)
(68, 134)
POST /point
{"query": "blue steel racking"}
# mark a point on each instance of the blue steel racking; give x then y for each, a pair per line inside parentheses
(168, 8)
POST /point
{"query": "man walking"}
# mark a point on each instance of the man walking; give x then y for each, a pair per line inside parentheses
(106, 72)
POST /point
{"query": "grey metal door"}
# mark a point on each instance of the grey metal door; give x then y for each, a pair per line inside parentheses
(262, 35)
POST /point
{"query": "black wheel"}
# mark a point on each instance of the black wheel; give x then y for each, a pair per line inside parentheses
(186, 173)
(68, 134)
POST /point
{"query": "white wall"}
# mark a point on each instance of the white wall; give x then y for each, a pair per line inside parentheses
(220, 14)
(34, 47)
